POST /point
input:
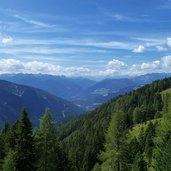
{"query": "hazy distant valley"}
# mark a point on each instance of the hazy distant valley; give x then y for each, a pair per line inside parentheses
(83, 92)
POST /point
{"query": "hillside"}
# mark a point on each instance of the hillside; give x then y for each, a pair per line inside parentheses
(128, 133)
(127, 113)
(15, 96)
(135, 131)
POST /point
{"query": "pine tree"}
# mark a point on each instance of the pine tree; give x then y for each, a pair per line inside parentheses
(48, 150)
(112, 156)
(162, 152)
(141, 139)
(97, 167)
(10, 161)
(137, 115)
(3, 142)
(139, 163)
(129, 151)
(24, 147)
(149, 142)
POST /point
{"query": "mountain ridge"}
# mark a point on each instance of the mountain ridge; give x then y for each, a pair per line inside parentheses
(84, 92)
(96, 129)
(15, 96)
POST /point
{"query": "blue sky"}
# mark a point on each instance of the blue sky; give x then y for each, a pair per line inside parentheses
(92, 38)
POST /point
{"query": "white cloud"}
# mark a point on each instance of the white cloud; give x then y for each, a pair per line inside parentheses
(161, 49)
(37, 23)
(116, 64)
(76, 42)
(158, 66)
(139, 49)
(4, 39)
(47, 51)
(122, 69)
(119, 17)
(169, 41)
(113, 68)
(35, 67)
(108, 73)
(7, 40)
(108, 45)
(166, 61)
(144, 68)
(150, 65)
(151, 42)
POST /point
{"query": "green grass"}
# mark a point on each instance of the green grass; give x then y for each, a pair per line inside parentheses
(167, 91)
(135, 131)
(168, 102)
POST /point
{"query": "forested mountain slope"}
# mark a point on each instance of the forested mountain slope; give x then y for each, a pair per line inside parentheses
(129, 133)
(101, 137)
(14, 96)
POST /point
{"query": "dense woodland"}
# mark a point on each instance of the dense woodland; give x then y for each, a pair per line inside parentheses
(129, 133)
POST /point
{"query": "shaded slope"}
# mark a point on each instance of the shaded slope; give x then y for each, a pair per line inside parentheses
(13, 97)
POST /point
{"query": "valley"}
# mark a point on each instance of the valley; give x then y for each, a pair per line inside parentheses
(101, 139)
(83, 92)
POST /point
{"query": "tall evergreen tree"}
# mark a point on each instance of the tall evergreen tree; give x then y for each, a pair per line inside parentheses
(112, 156)
(24, 147)
(139, 163)
(10, 161)
(3, 142)
(162, 153)
(48, 150)
(149, 142)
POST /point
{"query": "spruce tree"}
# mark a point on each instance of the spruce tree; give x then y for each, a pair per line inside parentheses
(9, 163)
(162, 152)
(48, 150)
(3, 142)
(24, 147)
(139, 163)
(115, 137)
(149, 142)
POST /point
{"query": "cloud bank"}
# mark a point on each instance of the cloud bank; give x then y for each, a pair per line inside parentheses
(35, 67)
(113, 68)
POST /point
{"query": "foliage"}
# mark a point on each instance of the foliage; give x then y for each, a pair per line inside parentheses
(10, 161)
(131, 132)
(48, 152)
(24, 147)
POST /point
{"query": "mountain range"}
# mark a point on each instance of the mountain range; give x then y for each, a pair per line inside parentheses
(14, 96)
(83, 92)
